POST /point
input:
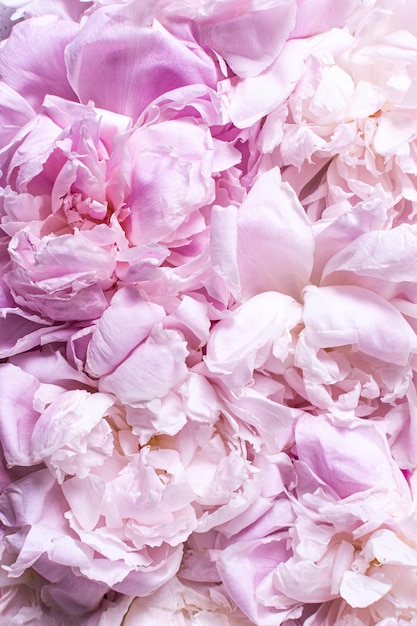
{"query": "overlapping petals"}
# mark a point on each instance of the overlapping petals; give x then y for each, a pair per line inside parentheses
(208, 313)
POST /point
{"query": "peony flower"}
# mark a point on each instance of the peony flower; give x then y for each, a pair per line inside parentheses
(348, 527)
(97, 194)
(334, 361)
(347, 125)
(116, 500)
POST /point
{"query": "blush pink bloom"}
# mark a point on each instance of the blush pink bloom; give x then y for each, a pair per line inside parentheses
(351, 365)
(347, 126)
(118, 500)
(349, 525)
(95, 194)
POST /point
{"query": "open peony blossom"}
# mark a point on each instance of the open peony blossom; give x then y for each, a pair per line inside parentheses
(208, 313)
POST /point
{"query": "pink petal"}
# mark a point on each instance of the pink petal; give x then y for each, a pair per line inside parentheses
(254, 97)
(60, 277)
(171, 177)
(106, 50)
(21, 331)
(150, 370)
(360, 590)
(22, 60)
(318, 16)
(275, 239)
(244, 340)
(385, 254)
(350, 315)
(223, 245)
(268, 26)
(349, 458)
(124, 324)
(15, 112)
(17, 415)
(243, 565)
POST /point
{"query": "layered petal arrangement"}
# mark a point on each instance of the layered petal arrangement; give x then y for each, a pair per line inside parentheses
(208, 313)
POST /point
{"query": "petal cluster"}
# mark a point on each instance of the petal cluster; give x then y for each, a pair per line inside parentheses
(208, 313)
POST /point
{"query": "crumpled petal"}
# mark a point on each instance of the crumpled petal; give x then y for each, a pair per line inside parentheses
(124, 325)
(60, 277)
(244, 340)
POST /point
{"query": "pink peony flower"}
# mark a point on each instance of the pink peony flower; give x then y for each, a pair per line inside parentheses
(109, 509)
(347, 126)
(93, 195)
(343, 538)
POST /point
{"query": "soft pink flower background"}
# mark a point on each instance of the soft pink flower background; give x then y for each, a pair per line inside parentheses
(208, 313)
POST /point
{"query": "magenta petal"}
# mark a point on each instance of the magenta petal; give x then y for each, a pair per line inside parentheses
(32, 61)
(111, 47)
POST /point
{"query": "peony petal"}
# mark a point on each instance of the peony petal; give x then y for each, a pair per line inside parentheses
(360, 590)
(124, 324)
(387, 548)
(349, 459)
(318, 16)
(15, 112)
(106, 51)
(343, 315)
(242, 341)
(385, 254)
(23, 63)
(171, 177)
(51, 275)
(275, 239)
(17, 415)
(242, 565)
(21, 331)
(223, 245)
(150, 370)
(268, 26)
